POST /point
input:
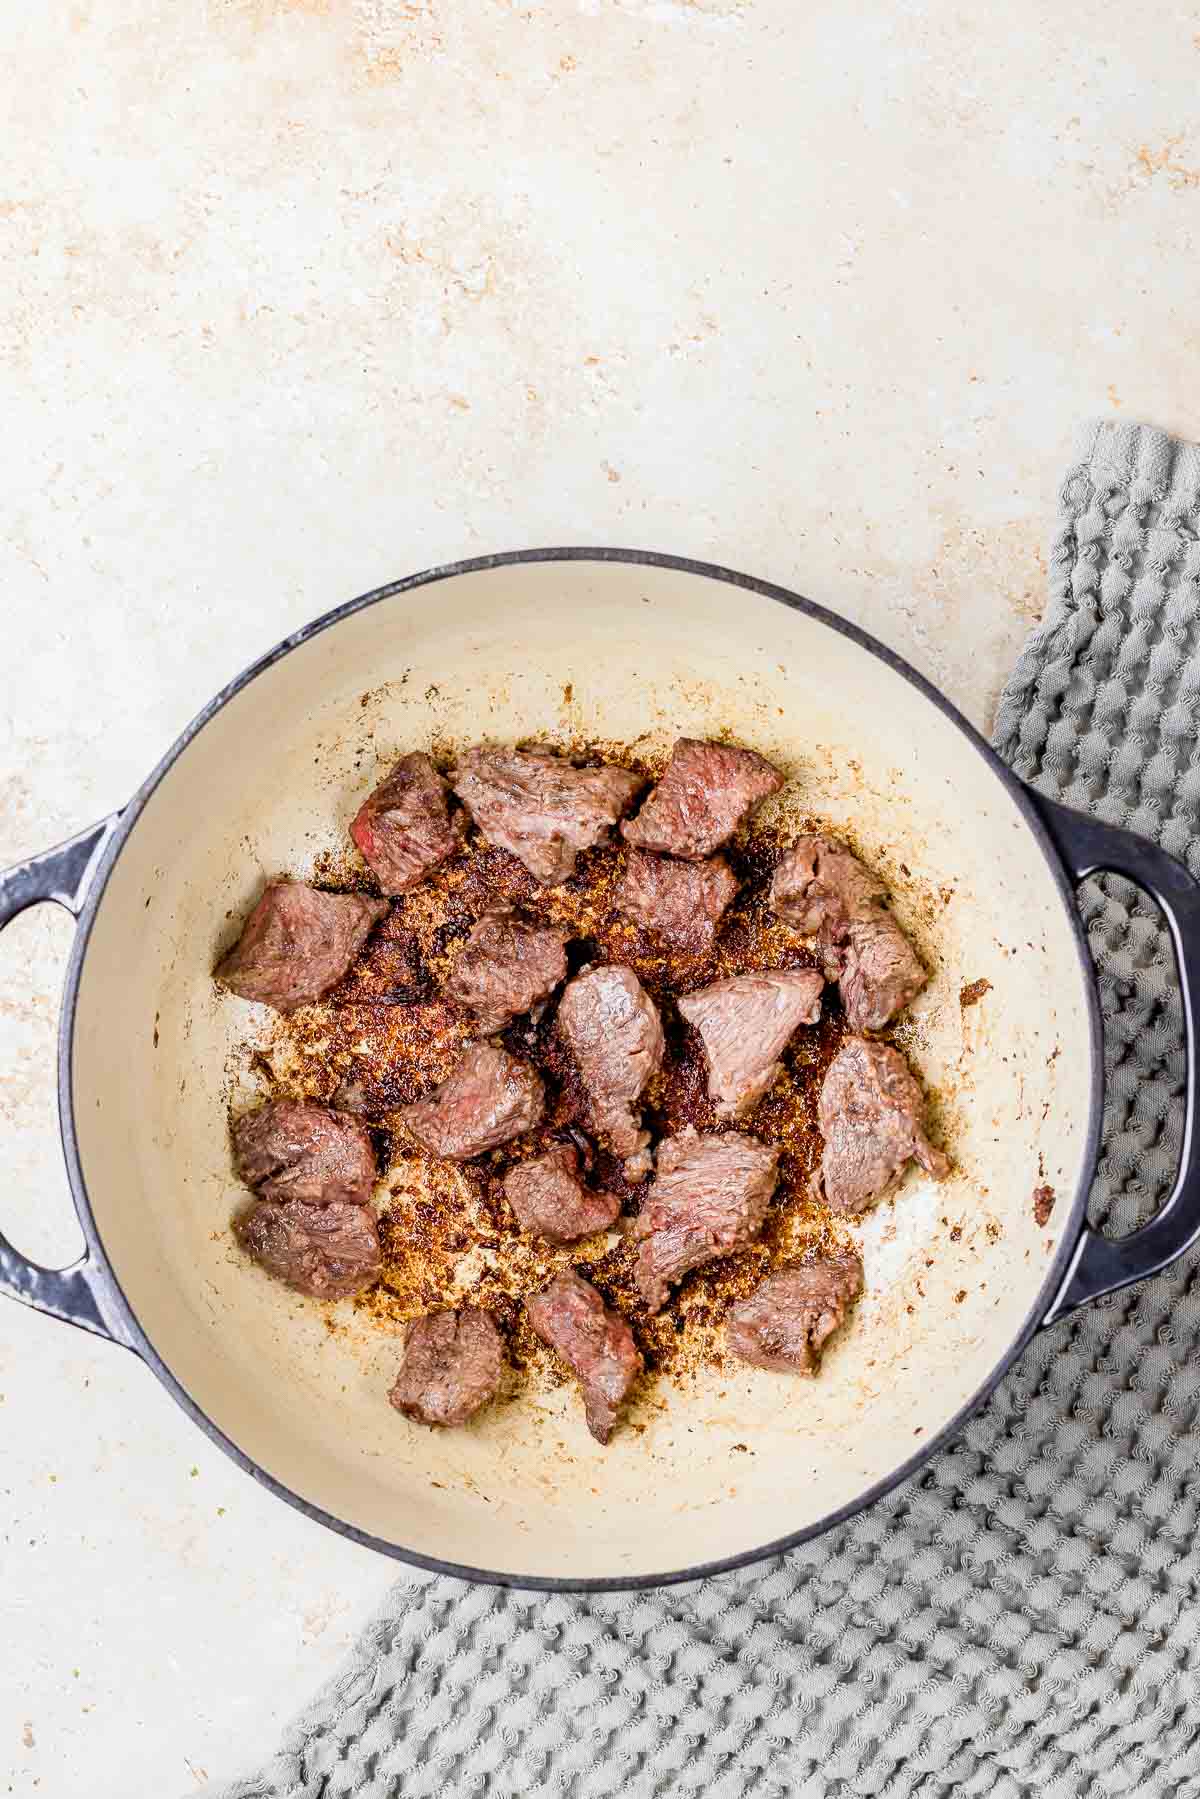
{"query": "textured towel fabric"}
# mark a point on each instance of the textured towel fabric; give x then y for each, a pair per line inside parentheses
(1021, 1618)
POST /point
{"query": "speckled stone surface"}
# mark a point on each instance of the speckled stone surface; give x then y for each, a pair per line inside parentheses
(299, 295)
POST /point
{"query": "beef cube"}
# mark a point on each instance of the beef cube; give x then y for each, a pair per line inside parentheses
(489, 1099)
(540, 807)
(709, 1198)
(880, 973)
(820, 888)
(294, 1149)
(612, 1028)
(328, 1252)
(785, 1322)
(451, 1367)
(594, 1341)
(744, 1023)
(403, 829)
(705, 793)
(551, 1201)
(297, 944)
(507, 967)
(683, 902)
(870, 1117)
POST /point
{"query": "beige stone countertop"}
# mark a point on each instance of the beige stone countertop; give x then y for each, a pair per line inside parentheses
(302, 295)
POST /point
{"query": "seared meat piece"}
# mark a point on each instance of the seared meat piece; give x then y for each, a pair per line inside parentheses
(451, 1367)
(298, 943)
(403, 829)
(682, 901)
(594, 1341)
(706, 791)
(488, 1100)
(870, 1116)
(744, 1023)
(293, 1149)
(541, 807)
(328, 1252)
(551, 1201)
(880, 972)
(613, 1030)
(783, 1325)
(506, 967)
(819, 887)
(709, 1197)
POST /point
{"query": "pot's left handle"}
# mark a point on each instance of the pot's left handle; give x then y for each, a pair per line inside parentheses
(1087, 846)
(81, 1294)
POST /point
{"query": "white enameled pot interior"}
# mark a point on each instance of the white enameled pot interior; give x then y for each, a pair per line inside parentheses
(738, 1458)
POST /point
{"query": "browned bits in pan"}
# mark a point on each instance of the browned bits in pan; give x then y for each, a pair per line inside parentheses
(385, 1037)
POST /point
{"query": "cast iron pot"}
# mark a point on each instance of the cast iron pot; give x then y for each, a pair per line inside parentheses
(732, 1465)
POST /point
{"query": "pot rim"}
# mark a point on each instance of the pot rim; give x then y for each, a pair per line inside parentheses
(1055, 1272)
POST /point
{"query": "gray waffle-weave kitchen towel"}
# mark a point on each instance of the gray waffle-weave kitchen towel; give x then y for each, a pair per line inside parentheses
(1024, 1616)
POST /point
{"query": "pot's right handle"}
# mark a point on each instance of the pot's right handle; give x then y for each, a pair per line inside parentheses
(1087, 846)
(81, 1294)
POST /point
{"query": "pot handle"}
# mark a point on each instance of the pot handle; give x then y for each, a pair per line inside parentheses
(81, 1294)
(1087, 846)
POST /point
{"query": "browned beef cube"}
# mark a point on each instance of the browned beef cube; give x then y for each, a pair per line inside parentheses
(294, 1149)
(403, 829)
(612, 1028)
(783, 1325)
(822, 889)
(489, 1099)
(820, 886)
(328, 1252)
(880, 972)
(594, 1341)
(551, 1201)
(682, 901)
(541, 807)
(507, 967)
(451, 1367)
(870, 1116)
(297, 944)
(709, 1197)
(705, 793)
(744, 1023)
